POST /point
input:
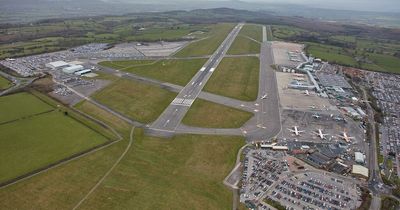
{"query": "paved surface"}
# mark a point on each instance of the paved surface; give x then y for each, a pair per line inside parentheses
(170, 119)
(17, 83)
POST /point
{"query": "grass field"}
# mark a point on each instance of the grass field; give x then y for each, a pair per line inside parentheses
(386, 63)
(244, 45)
(61, 187)
(350, 50)
(252, 31)
(126, 63)
(211, 115)
(236, 78)
(184, 172)
(173, 71)
(4, 83)
(41, 140)
(141, 102)
(207, 46)
(331, 54)
(16, 106)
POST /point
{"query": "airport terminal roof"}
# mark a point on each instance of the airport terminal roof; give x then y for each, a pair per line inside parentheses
(57, 64)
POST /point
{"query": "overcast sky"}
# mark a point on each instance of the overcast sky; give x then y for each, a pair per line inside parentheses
(366, 5)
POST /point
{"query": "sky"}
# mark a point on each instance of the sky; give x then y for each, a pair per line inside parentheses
(360, 5)
(363, 5)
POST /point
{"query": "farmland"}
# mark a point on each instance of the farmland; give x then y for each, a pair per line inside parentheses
(349, 50)
(14, 107)
(243, 75)
(34, 140)
(212, 115)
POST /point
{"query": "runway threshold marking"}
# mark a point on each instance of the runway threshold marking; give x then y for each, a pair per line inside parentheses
(182, 102)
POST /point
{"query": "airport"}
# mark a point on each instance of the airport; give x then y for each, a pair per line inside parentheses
(305, 131)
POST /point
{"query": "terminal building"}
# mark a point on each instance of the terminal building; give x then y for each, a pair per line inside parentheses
(56, 64)
(72, 69)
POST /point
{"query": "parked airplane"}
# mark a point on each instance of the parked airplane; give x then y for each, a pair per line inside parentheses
(320, 134)
(306, 93)
(312, 107)
(264, 96)
(345, 137)
(295, 130)
(316, 116)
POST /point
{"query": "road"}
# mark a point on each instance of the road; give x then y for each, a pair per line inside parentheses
(17, 83)
(375, 184)
(172, 116)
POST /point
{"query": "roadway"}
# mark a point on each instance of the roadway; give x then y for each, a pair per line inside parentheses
(172, 116)
(18, 83)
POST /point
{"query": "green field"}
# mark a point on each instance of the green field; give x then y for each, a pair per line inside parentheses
(41, 140)
(141, 102)
(252, 31)
(331, 53)
(16, 106)
(184, 172)
(207, 46)
(39, 136)
(236, 78)
(349, 50)
(386, 63)
(244, 45)
(61, 187)
(211, 115)
(127, 63)
(173, 71)
(4, 83)
(281, 32)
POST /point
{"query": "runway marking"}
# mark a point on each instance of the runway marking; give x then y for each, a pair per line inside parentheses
(165, 124)
(200, 83)
(182, 102)
(202, 69)
(192, 83)
(212, 69)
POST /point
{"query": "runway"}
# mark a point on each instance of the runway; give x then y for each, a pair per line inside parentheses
(172, 116)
